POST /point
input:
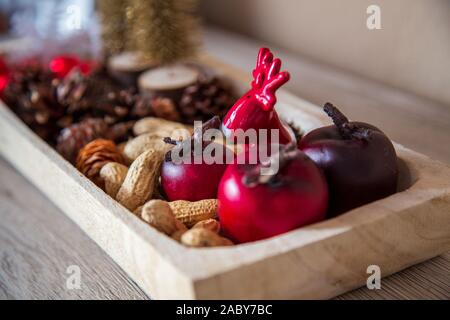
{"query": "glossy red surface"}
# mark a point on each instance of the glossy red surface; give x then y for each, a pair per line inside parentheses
(4, 75)
(255, 109)
(191, 182)
(62, 65)
(266, 210)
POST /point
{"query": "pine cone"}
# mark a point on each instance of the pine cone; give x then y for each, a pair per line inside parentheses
(142, 107)
(165, 108)
(30, 95)
(207, 98)
(75, 137)
(121, 131)
(94, 96)
(93, 156)
(148, 106)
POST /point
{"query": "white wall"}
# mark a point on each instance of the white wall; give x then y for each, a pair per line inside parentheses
(412, 51)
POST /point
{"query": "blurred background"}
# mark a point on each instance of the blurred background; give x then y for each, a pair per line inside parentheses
(411, 51)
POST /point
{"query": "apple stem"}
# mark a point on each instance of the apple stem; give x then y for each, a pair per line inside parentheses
(253, 177)
(296, 129)
(169, 140)
(168, 155)
(335, 114)
(347, 129)
(197, 136)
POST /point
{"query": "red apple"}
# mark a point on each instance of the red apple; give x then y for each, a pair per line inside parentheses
(254, 207)
(187, 180)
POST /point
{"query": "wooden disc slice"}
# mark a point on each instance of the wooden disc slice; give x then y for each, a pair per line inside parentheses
(167, 78)
(126, 67)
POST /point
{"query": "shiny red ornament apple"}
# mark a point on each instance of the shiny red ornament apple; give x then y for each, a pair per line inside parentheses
(358, 159)
(192, 181)
(254, 206)
(255, 109)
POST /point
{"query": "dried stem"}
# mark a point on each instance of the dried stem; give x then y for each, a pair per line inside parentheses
(213, 123)
(253, 177)
(347, 129)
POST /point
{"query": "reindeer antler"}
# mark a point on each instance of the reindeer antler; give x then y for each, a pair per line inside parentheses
(267, 78)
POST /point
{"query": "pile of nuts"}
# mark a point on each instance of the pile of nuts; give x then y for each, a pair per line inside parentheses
(134, 183)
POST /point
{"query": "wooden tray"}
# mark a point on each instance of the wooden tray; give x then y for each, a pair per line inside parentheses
(318, 261)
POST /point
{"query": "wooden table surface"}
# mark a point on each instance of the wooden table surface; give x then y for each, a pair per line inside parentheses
(38, 243)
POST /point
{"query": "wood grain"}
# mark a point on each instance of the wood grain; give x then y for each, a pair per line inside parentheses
(428, 280)
(38, 243)
(31, 222)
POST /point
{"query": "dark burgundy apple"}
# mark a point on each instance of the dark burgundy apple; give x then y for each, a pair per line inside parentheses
(254, 206)
(192, 181)
(358, 159)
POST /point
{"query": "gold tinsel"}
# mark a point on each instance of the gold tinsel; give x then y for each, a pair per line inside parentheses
(164, 31)
(113, 24)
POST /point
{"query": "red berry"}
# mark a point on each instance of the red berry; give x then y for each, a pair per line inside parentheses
(62, 65)
(296, 196)
(4, 75)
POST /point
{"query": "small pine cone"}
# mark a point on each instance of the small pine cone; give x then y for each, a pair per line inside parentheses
(117, 105)
(75, 137)
(71, 92)
(121, 131)
(207, 98)
(165, 108)
(93, 156)
(30, 95)
(142, 107)
(94, 96)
